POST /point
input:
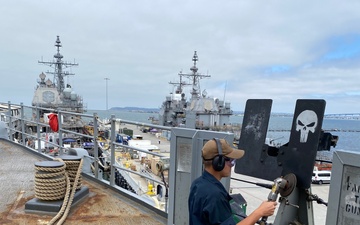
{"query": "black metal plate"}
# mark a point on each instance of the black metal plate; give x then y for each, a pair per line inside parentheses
(256, 162)
(299, 156)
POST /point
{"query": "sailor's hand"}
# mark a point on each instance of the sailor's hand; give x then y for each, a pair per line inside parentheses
(267, 208)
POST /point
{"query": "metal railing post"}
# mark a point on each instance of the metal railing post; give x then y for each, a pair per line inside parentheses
(112, 155)
(96, 148)
(23, 136)
(38, 129)
(11, 127)
(61, 149)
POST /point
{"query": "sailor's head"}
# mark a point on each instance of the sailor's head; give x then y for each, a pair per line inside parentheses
(219, 157)
(210, 150)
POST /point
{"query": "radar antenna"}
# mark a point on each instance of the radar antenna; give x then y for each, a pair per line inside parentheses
(195, 77)
(59, 74)
(181, 84)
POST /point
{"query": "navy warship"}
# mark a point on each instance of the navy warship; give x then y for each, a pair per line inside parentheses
(56, 95)
(200, 111)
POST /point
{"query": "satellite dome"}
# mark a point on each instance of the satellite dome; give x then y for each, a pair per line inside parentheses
(67, 92)
(42, 76)
(73, 95)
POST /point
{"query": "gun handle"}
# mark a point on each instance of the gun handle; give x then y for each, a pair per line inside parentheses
(263, 220)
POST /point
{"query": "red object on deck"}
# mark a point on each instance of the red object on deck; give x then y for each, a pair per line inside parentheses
(53, 122)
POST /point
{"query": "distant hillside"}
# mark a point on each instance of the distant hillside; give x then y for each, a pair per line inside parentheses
(136, 109)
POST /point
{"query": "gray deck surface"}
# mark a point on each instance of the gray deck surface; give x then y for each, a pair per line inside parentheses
(103, 206)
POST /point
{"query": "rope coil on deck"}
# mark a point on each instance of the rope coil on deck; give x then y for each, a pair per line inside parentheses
(74, 163)
(58, 179)
(72, 170)
(50, 181)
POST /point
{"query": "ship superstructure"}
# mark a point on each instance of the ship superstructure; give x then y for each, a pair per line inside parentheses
(200, 112)
(55, 94)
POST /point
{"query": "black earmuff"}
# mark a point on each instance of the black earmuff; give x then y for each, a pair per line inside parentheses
(219, 160)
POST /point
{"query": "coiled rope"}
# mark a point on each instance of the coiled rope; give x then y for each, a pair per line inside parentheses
(70, 192)
(50, 180)
(72, 168)
(58, 179)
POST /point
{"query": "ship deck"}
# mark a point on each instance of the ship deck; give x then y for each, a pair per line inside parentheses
(102, 205)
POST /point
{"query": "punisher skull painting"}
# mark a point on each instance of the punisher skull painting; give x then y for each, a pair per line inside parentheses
(306, 122)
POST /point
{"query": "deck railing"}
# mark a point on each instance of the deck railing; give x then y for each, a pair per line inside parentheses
(50, 145)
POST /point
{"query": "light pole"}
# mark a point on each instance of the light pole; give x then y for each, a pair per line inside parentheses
(106, 79)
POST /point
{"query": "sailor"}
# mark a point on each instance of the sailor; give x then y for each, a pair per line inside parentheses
(209, 202)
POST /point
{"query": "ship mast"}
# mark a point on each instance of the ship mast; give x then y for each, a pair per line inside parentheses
(59, 74)
(195, 77)
(181, 84)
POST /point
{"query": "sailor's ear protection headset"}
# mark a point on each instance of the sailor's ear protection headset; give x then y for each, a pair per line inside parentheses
(218, 162)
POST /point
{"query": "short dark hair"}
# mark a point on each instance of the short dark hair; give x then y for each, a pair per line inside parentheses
(207, 163)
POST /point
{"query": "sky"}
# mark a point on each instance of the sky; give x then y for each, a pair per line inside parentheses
(279, 50)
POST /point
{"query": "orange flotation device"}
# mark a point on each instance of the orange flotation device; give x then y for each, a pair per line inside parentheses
(53, 122)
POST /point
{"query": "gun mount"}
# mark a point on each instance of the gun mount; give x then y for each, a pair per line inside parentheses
(295, 157)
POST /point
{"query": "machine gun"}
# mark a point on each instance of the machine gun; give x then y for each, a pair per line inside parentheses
(284, 186)
(295, 157)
